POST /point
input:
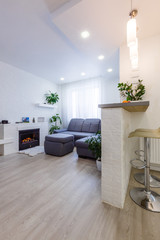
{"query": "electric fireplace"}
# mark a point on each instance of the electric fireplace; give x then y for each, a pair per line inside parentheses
(28, 138)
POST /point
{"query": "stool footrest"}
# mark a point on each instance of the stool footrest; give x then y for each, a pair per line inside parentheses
(137, 163)
(154, 181)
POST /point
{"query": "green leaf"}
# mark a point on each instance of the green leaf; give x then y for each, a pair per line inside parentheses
(55, 119)
(94, 144)
(52, 98)
(127, 90)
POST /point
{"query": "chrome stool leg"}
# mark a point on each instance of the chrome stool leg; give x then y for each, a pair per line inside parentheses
(145, 198)
(140, 177)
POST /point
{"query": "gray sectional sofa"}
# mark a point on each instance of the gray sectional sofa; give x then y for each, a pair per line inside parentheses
(80, 129)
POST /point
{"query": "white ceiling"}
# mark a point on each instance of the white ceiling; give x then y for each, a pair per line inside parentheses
(43, 36)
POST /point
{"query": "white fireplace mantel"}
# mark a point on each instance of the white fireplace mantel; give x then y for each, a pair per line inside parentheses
(9, 135)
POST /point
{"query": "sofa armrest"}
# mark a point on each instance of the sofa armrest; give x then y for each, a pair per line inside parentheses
(60, 130)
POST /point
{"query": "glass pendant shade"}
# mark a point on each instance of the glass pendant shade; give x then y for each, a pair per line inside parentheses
(133, 50)
(131, 32)
(134, 62)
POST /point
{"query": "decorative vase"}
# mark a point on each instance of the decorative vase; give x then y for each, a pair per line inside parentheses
(98, 163)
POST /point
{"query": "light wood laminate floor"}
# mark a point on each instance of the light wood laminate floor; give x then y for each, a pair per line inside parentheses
(51, 198)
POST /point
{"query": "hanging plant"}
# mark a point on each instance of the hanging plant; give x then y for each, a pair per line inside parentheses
(130, 92)
(52, 98)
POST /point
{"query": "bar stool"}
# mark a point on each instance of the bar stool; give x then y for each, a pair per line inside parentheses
(140, 177)
(144, 197)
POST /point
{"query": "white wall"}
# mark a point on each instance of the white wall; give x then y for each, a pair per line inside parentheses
(19, 93)
(109, 90)
(149, 71)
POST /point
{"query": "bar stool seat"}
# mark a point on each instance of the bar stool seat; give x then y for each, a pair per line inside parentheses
(148, 133)
(144, 197)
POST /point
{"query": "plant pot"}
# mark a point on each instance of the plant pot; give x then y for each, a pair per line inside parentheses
(98, 163)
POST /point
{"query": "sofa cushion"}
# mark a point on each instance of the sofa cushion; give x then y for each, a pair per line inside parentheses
(78, 135)
(59, 137)
(60, 130)
(75, 124)
(81, 143)
(91, 125)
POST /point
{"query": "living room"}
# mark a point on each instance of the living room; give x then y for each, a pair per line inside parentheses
(77, 50)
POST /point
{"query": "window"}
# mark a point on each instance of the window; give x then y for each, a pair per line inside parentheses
(85, 103)
(81, 99)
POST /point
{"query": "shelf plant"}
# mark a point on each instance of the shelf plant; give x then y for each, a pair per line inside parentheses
(52, 98)
(132, 92)
(94, 144)
(55, 120)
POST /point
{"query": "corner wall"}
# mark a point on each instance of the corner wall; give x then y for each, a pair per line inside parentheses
(19, 93)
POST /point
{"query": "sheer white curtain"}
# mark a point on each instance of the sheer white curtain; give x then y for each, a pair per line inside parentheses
(80, 99)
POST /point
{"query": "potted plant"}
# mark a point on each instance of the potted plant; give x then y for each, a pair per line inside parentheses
(130, 92)
(54, 123)
(94, 144)
(52, 98)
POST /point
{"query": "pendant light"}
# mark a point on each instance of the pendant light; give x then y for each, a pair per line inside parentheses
(134, 62)
(133, 50)
(132, 41)
(132, 29)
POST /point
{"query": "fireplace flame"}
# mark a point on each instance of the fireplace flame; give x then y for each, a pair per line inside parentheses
(27, 140)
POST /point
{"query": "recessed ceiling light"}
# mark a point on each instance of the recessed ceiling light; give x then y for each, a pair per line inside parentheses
(100, 57)
(83, 73)
(85, 34)
(62, 79)
(109, 70)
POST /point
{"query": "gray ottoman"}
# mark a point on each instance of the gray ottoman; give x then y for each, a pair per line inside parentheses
(58, 144)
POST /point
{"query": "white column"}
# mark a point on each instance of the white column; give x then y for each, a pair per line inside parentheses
(117, 151)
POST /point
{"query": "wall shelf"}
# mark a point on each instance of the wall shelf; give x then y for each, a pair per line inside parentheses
(136, 106)
(45, 105)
